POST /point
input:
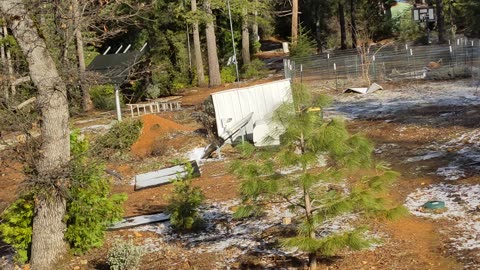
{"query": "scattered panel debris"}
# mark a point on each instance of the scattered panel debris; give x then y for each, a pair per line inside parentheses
(164, 176)
(139, 220)
(364, 90)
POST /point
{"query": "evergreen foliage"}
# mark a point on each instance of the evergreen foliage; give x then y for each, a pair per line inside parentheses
(310, 192)
(119, 138)
(184, 203)
(255, 70)
(16, 226)
(228, 74)
(304, 46)
(91, 206)
(103, 97)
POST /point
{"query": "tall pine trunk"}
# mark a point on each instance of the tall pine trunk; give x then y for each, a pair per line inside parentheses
(245, 39)
(48, 227)
(353, 22)
(213, 66)
(294, 21)
(87, 104)
(7, 67)
(343, 31)
(3, 58)
(442, 33)
(197, 49)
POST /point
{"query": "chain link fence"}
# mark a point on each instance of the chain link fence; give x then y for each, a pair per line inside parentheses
(459, 58)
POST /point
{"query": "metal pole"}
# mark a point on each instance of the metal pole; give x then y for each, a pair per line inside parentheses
(233, 41)
(117, 103)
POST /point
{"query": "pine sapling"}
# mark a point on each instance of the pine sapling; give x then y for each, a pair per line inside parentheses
(317, 191)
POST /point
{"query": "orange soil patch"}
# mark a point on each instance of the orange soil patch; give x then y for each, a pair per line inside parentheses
(11, 177)
(154, 129)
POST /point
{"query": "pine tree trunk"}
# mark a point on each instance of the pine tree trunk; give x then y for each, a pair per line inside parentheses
(343, 31)
(256, 37)
(294, 21)
(87, 104)
(7, 67)
(3, 58)
(312, 257)
(48, 228)
(245, 40)
(353, 22)
(213, 66)
(442, 34)
(197, 49)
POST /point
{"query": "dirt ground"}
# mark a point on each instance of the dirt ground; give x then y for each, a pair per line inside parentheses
(401, 122)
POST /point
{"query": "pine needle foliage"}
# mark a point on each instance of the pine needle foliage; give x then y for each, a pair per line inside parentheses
(184, 202)
(91, 206)
(315, 156)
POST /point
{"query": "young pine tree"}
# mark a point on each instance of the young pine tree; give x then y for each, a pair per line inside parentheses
(307, 138)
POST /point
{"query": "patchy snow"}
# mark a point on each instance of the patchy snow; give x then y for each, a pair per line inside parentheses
(387, 103)
(195, 154)
(426, 156)
(222, 232)
(462, 204)
(96, 128)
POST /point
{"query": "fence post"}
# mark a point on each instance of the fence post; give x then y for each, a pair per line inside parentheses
(374, 68)
(336, 78)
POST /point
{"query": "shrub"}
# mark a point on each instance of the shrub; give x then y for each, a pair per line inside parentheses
(16, 227)
(124, 256)
(228, 74)
(91, 206)
(120, 137)
(305, 47)
(103, 97)
(449, 73)
(153, 91)
(184, 203)
(256, 69)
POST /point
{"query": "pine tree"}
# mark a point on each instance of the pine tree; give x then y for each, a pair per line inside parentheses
(316, 194)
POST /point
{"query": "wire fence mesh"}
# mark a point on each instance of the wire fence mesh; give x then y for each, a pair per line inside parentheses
(459, 58)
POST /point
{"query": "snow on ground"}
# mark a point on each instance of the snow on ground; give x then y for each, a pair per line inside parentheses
(381, 104)
(222, 232)
(462, 153)
(462, 204)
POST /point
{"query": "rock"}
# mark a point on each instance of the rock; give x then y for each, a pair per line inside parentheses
(76, 267)
(83, 262)
(364, 262)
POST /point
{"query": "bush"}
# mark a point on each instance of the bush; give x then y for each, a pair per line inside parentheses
(184, 203)
(120, 137)
(256, 69)
(103, 97)
(91, 206)
(153, 91)
(449, 73)
(124, 256)
(305, 47)
(228, 74)
(16, 227)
